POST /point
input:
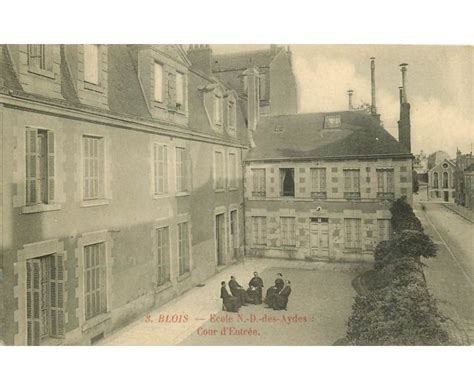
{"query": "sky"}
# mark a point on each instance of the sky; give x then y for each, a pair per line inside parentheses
(439, 87)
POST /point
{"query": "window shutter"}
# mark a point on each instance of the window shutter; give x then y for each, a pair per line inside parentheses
(165, 169)
(56, 288)
(51, 167)
(172, 91)
(103, 278)
(33, 287)
(155, 168)
(31, 153)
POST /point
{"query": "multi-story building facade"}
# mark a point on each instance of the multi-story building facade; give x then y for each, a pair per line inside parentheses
(462, 191)
(318, 186)
(121, 185)
(441, 182)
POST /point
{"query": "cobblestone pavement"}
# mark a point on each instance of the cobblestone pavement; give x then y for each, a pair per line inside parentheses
(322, 293)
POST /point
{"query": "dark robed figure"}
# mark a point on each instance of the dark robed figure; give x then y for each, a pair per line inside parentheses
(255, 290)
(230, 303)
(280, 300)
(237, 291)
(274, 290)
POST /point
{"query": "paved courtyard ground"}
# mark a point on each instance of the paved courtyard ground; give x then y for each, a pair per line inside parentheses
(319, 307)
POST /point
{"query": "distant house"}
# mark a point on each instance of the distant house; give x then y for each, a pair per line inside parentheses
(463, 164)
(436, 158)
(441, 182)
(468, 193)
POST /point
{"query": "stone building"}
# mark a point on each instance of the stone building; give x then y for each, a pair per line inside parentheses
(463, 163)
(441, 182)
(319, 185)
(121, 185)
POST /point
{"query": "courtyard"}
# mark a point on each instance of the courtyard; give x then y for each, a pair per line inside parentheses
(318, 309)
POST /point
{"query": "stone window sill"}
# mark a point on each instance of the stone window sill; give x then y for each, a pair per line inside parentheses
(233, 189)
(97, 320)
(160, 196)
(40, 208)
(159, 105)
(219, 190)
(183, 193)
(162, 287)
(93, 87)
(42, 72)
(51, 342)
(184, 276)
(95, 202)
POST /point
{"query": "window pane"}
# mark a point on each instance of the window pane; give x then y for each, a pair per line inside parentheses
(91, 64)
(158, 82)
(179, 90)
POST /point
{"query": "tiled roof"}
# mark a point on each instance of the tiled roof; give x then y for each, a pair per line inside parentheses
(304, 136)
(240, 60)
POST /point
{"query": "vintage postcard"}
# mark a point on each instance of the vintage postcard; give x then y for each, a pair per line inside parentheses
(210, 195)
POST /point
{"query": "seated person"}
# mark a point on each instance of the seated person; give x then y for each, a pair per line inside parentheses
(280, 300)
(237, 291)
(231, 303)
(255, 290)
(275, 289)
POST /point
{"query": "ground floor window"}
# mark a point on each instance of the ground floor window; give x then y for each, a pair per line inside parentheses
(95, 293)
(259, 230)
(352, 233)
(163, 255)
(287, 229)
(44, 298)
(385, 229)
(183, 248)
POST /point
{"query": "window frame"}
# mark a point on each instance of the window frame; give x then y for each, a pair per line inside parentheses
(180, 91)
(182, 174)
(100, 159)
(163, 255)
(184, 248)
(318, 182)
(351, 183)
(219, 171)
(86, 58)
(101, 280)
(283, 172)
(288, 231)
(353, 234)
(233, 170)
(259, 231)
(158, 83)
(156, 170)
(259, 183)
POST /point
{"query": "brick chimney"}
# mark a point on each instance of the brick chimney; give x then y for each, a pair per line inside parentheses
(404, 125)
(253, 100)
(201, 58)
(350, 92)
(373, 106)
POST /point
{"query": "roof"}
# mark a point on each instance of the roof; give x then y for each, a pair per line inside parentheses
(7, 73)
(240, 60)
(470, 168)
(449, 162)
(304, 136)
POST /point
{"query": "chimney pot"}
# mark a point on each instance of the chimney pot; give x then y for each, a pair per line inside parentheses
(373, 108)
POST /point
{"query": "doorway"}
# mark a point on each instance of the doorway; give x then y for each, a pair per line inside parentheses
(446, 196)
(234, 237)
(319, 237)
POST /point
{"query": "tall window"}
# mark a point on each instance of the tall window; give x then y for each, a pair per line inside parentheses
(231, 115)
(163, 254)
(445, 180)
(318, 182)
(44, 298)
(183, 248)
(179, 91)
(181, 170)
(160, 167)
(217, 109)
(352, 230)
(91, 64)
(93, 156)
(40, 57)
(287, 229)
(258, 182)
(219, 170)
(232, 170)
(95, 293)
(435, 180)
(351, 183)
(262, 86)
(259, 230)
(40, 166)
(385, 182)
(287, 182)
(385, 228)
(158, 82)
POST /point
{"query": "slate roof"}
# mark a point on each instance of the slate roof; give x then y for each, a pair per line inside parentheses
(304, 136)
(7, 73)
(240, 60)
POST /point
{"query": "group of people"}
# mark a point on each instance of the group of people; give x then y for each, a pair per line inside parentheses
(276, 296)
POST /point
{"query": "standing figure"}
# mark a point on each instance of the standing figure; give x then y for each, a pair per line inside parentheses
(237, 291)
(280, 300)
(255, 290)
(230, 303)
(275, 289)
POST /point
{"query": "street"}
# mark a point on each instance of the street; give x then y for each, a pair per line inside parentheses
(449, 275)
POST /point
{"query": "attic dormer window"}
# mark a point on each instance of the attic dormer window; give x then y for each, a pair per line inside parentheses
(332, 122)
(158, 75)
(231, 114)
(91, 64)
(40, 58)
(179, 91)
(217, 109)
